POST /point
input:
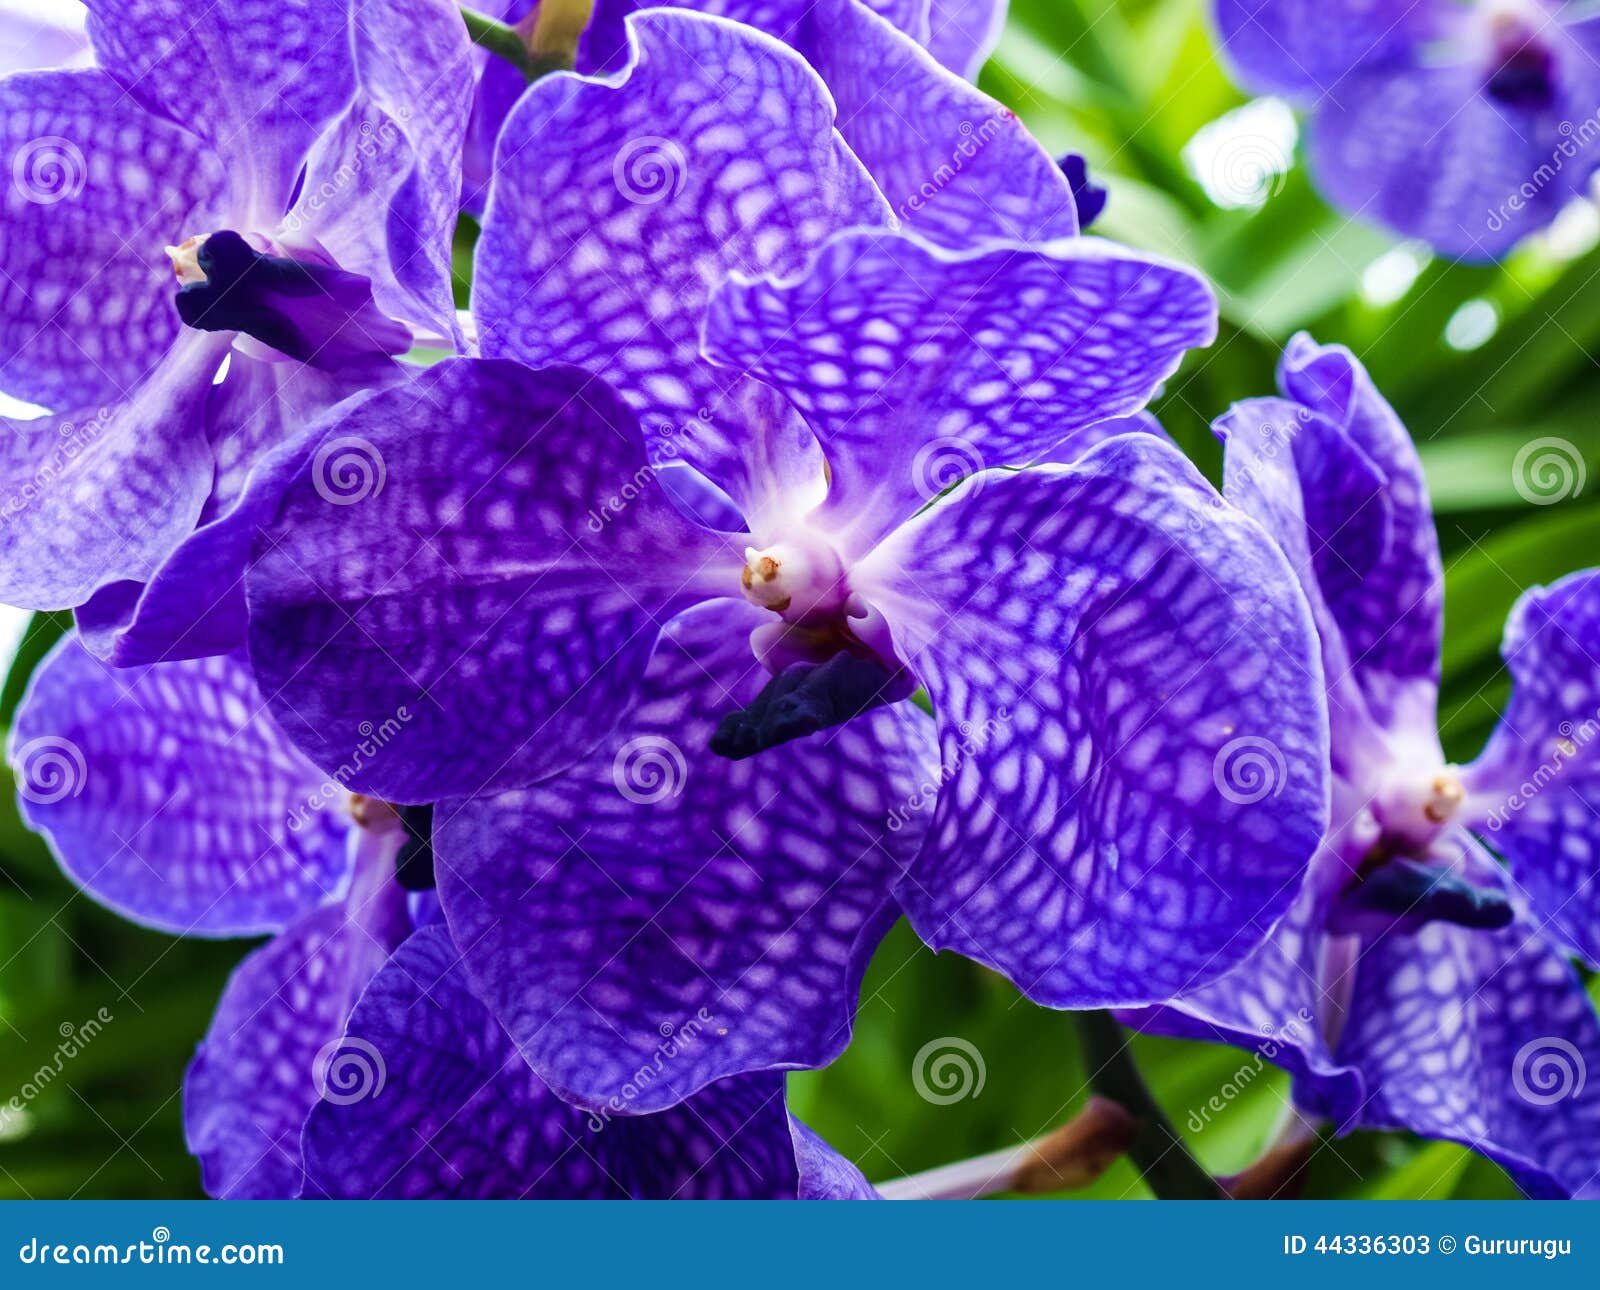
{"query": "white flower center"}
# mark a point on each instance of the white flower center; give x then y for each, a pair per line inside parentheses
(801, 579)
(185, 259)
(1413, 808)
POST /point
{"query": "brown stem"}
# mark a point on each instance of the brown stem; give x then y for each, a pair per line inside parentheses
(1065, 1159)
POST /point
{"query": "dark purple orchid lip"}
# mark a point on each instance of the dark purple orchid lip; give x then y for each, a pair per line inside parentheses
(316, 313)
(1400, 893)
(806, 698)
(1523, 66)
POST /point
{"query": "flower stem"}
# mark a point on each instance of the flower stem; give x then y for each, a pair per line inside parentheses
(1064, 1159)
(508, 42)
(1163, 1159)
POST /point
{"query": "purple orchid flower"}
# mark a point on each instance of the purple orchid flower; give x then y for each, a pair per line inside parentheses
(299, 169)
(917, 127)
(959, 34)
(168, 794)
(1416, 983)
(442, 1106)
(963, 33)
(1463, 124)
(951, 161)
(1091, 634)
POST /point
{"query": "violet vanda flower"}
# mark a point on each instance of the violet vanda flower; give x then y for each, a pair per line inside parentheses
(951, 162)
(1416, 984)
(168, 794)
(445, 1108)
(958, 34)
(297, 166)
(920, 127)
(1447, 121)
(1090, 634)
(911, 120)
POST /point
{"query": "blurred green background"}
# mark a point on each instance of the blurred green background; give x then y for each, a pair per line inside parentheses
(1479, 361)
